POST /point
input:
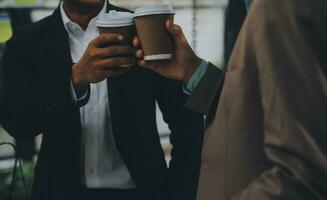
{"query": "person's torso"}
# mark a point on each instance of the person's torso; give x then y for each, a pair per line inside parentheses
(102, 166)
(132, 112)
(233, 147)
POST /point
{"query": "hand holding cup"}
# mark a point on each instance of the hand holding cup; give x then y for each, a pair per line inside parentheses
(183, 63)
(101, 61)
(111, 54)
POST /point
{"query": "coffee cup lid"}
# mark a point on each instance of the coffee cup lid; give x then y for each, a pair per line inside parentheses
(154, 10)
(115, 19)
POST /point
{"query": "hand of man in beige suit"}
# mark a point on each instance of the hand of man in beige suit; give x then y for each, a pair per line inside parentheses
(269, 134)
(184, 61)
(186, 66)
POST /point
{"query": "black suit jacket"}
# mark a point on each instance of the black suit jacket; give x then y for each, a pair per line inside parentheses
(36, 98)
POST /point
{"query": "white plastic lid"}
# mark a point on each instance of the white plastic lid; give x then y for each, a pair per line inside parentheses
(115, 19)
(154, 10)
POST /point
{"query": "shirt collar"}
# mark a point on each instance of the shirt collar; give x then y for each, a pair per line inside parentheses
(68, 22)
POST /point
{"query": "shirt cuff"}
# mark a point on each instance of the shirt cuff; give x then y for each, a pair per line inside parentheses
(190, 86)
(81, 95)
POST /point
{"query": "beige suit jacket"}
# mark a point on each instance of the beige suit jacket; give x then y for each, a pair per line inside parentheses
(268, 139)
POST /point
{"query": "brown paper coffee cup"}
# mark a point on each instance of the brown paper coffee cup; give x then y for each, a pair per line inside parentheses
(128, 32)
(156, 41)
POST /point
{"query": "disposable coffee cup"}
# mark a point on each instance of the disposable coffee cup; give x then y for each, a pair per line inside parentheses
(150, 23)
(121, 23)
(118, 23)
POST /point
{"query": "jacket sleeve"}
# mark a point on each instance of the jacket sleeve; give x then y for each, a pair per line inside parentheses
(288, 43)
(207, 89)
(187, 128)
(29, 106)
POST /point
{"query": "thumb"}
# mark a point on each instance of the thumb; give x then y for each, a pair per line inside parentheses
(148, 64)
(176, 32)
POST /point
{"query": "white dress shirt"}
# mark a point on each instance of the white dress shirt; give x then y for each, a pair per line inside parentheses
(103, 166)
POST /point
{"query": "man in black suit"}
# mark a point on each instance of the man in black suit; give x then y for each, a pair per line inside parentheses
(100, 138)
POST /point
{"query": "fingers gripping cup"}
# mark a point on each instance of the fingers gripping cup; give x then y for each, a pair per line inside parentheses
(155, 39)
(118, 23)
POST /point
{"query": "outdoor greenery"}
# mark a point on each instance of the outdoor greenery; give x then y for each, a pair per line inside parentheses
(19, 191)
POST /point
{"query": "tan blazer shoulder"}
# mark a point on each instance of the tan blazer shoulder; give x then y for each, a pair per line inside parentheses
(268, 139)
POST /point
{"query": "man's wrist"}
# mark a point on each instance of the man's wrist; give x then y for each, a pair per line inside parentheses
(196, 77)
(79, 95)
(80, 88)
(76, 80)
(192, 67)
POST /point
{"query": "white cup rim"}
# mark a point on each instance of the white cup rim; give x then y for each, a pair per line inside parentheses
(154, 10)
(115, 19)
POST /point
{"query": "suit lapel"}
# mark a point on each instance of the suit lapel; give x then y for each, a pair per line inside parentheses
(57, 52)
(56, 45)
(113, 88)
(58, 59)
